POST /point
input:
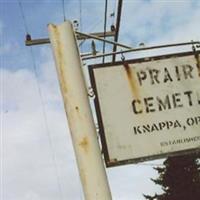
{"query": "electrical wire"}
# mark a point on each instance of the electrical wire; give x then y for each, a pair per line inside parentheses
(1, 123)
(91, 29)
(112, 15)
(42, 103)
(117, 27)
(23, 16)
(80, 20)
(63, 7)
(80, 15)
(105, 24)
(46, 123)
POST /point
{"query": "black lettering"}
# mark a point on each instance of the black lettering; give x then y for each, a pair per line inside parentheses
(188, 93)
(187, 140)
(187, 70)
(177, 73)
(137, 130)
(154, 128)
(149, 104)
(163, 104)
(174, 142)
(177, 124)
(169, 124)
(197, 119)
(190, 121)
(146, 128)
(154, 75)
(167, 76)
(134, 106)
(179, 141)
(176, 100)
(141, 76)
(162, 125)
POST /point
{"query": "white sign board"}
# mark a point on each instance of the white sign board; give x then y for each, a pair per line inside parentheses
(148, 108)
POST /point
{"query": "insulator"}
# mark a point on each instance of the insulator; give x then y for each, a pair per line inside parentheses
(112, 27)
(112, 14)
(75, 24)
(141, 44)
(93, 46)
(28, 37)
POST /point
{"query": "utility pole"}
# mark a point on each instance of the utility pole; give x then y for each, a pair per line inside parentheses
(117, 27)
(74, 91)
(79, 114)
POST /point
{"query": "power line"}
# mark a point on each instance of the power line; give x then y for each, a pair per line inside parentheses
(105, 24)
(46, 122)
(63, 7)
(1, 123)
(80, 15)
(80, 20)
(117, 28)
(91, 29)
(23, 16)
(42, 102)
(113, 14)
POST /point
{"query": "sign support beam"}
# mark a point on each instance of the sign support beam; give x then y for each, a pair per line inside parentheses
(196, 43)
(30, 42)
(46, 40)
(119, 11)
(83, 132)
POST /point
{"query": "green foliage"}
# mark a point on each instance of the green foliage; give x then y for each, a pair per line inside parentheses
(179, 178)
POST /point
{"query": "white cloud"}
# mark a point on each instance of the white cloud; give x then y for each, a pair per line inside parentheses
(28, 154)
(154, 21)
(130, 182)
(29, 172)
(32, 196)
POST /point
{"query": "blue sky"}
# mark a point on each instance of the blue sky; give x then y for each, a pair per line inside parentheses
(31, 167)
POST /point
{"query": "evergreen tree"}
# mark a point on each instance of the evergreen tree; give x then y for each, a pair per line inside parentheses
(179, 178)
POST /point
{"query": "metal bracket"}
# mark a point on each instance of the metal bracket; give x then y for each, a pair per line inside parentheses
(30, 42)
(143, 49)
(91, 92)
(80, 36)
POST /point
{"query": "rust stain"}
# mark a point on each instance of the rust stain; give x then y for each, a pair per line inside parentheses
(83, 176)
(198, 63)
(84, 144)
(77, 108)
(132, 80)
(60, 59)
(113, 161)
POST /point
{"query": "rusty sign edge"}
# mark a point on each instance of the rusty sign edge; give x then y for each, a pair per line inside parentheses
(115, 162)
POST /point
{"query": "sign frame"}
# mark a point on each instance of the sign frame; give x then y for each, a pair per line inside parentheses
(109, 162)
